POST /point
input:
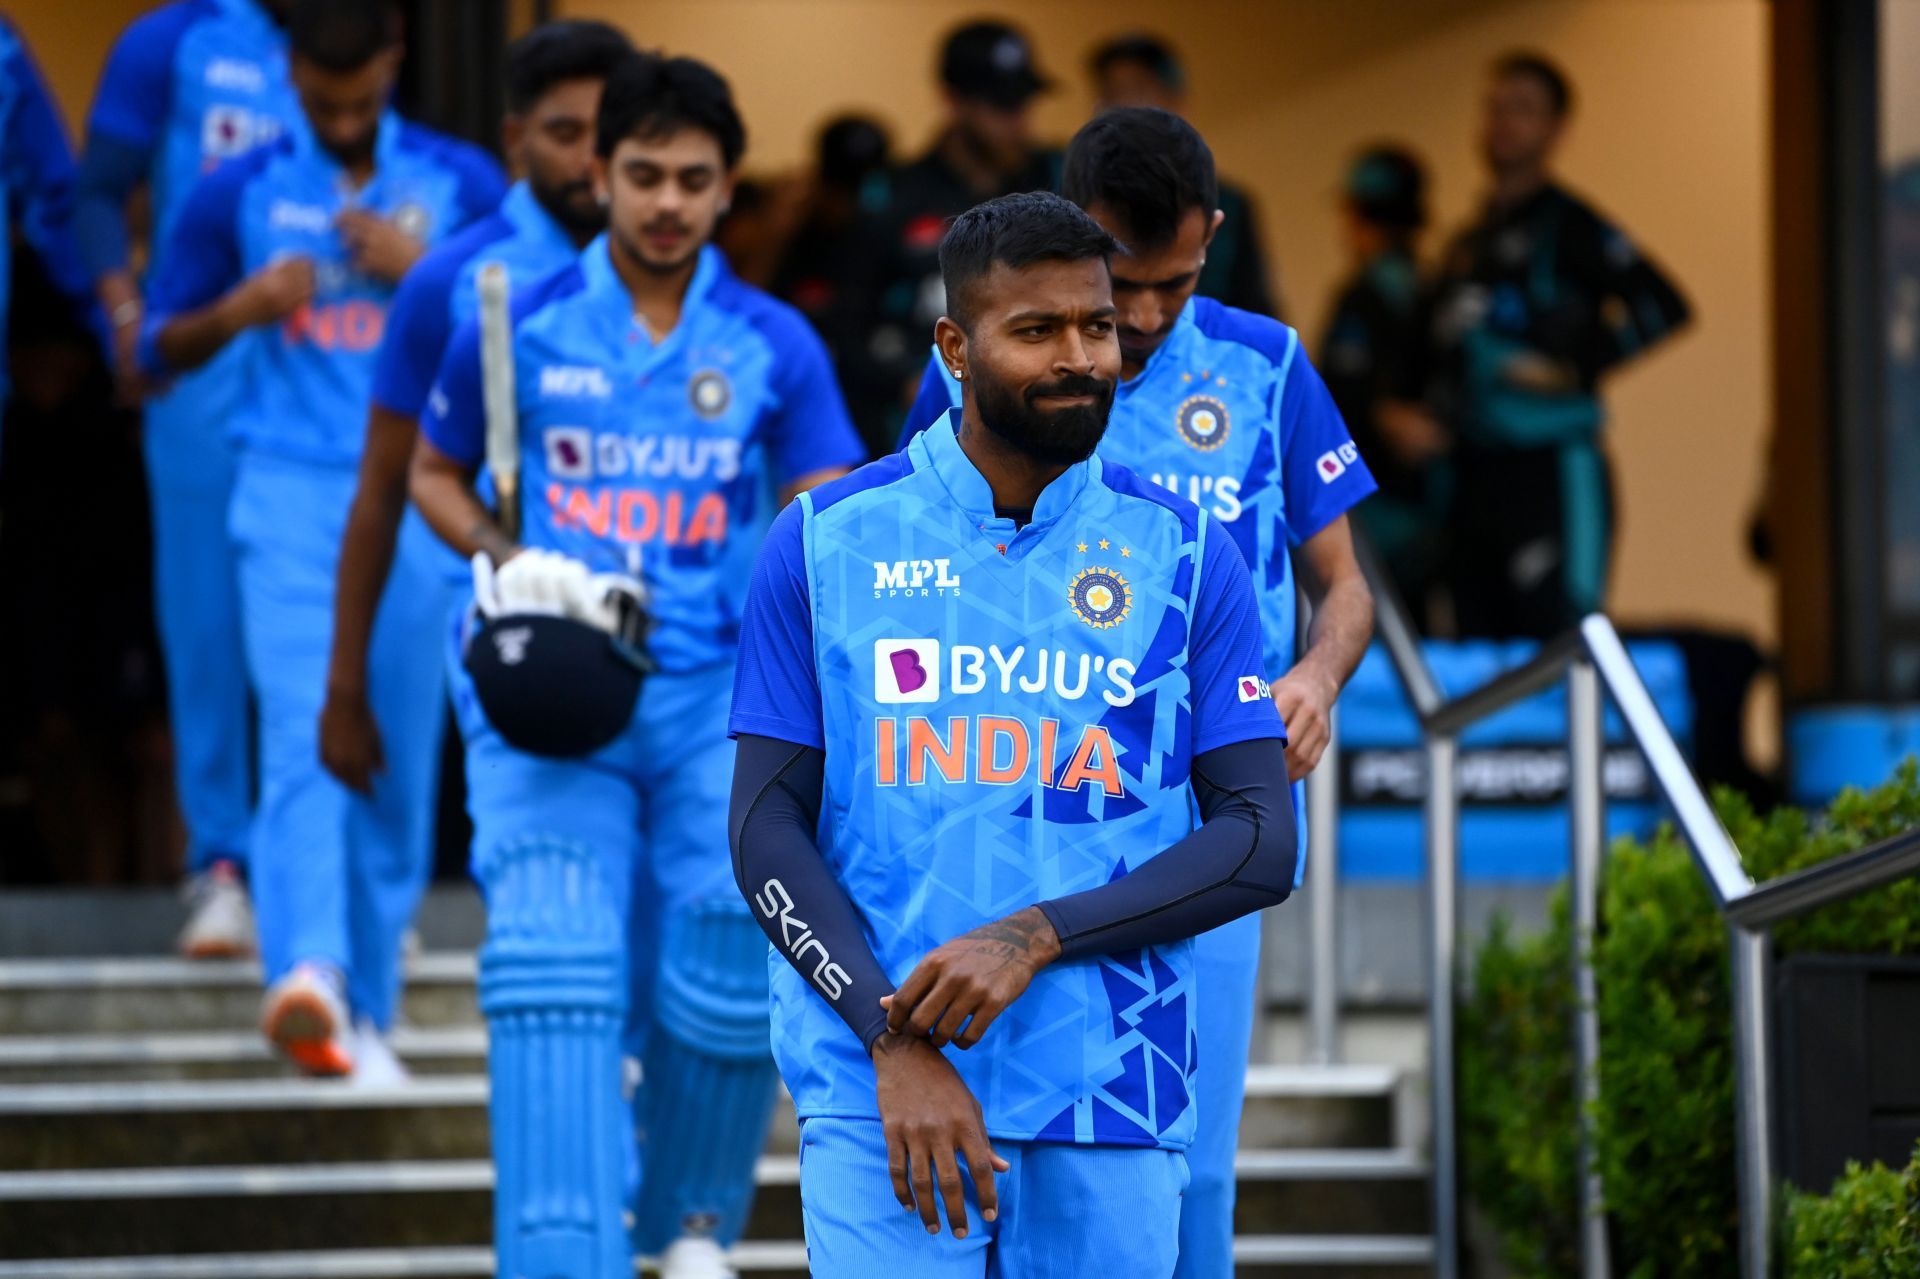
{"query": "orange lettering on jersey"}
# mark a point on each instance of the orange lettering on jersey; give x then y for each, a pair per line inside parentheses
(594, 511)
(353, 326)
(670, 517)
(709, 522)
(886, 769)
(630, 499)
(950, 756)
(995, 729)
(1093, 761)
(1049, 736)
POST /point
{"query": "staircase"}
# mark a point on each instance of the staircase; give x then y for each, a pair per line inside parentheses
(146, 1133)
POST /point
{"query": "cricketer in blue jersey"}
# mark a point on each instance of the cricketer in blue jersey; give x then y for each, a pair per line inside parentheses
(1222, 407)
(985, 686)
(36, 181)
(554, 76)
(665, 410)
(187, 86)
(294, 251)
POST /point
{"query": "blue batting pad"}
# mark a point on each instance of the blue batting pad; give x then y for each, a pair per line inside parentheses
(553, 988)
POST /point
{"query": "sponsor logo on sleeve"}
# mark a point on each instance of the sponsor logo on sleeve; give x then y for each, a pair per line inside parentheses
(1334, 462)
(906, 670)
(1254, 688)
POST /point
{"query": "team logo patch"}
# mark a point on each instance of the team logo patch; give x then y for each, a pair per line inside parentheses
(412, 219)
(512, 643)
(710, 393)
(1100, 597)
(1202, 422)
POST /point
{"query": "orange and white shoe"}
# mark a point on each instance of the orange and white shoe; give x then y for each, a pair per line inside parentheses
(219, 916)
(305, 1018)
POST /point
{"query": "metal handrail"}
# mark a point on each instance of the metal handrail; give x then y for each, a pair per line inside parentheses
(1593, 656)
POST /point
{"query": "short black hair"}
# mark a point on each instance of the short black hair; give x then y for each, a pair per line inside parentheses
(1144, 50)
(1146, 166)
(1015, 231)
(652, 96)
(556, 52)
(1538, 67)
(342, 35)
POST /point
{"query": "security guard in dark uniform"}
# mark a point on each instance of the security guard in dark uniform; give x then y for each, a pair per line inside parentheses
(989, 79)
(1365, 359)
(1139, 70)
(1533, 304)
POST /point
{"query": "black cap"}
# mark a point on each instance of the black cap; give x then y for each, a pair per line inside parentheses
(991, 62)
(552, 686)
(1387, 185)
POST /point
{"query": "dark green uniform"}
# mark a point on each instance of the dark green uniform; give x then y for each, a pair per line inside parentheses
(1370, 341)
(1532, 508)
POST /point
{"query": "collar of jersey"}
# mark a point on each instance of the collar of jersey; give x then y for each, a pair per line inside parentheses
(610, 296)
(531, 221)
(1161, 357)
(386, 145)
(941, 452)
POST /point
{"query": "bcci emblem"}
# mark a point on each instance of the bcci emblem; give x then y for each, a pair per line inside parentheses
(1202, 421)
(411, 219)
(1101, 597)
(709, 393)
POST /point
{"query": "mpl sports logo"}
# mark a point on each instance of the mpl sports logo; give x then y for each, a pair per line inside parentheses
(1334, 462)
(575, 382)
(918, 579)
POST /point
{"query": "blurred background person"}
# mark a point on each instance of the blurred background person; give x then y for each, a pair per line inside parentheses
(985, 148)
(1140, 70)
(293, 254)
(823, 270)
(1366, 356)
(1534, 302)
(187, 86)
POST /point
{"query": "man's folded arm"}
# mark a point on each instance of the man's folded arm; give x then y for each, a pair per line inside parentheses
(772, 825)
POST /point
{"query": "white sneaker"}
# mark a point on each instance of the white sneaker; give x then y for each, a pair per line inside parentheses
(220, 922)
(374, 1062)
(695, 1258)
(304, 1016)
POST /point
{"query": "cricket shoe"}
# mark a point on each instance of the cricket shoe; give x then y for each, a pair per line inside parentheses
(219, 919)
(374, 1063)
(305, 1018)
(695, 1257)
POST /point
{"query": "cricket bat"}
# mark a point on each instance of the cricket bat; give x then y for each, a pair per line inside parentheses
(497, 392)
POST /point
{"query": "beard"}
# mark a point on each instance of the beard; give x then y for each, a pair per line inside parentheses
(1057, 437)
(572, 205)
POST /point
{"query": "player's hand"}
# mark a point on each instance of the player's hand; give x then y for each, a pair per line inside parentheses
(929, 1117)
(1541, 374)
(376, 246)
(556, 585)
(272, 293)
(971, 980)
(1305, 703)
(350, 746)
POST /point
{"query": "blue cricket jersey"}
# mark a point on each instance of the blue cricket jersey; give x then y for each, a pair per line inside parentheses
(191, 84)
(36, 181)
(1230, 414)
(1008, 716)
(307, 380)
(438, 295)
(665, 456)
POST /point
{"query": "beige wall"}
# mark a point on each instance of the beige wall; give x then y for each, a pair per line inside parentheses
(1670, 138)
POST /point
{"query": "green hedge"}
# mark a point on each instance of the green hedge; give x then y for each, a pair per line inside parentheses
(1665, 1115)
(1867, 1228)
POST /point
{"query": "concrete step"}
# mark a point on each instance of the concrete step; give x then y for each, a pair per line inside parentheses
(445, 1203)
(99, 996)
(1386, 1257)
(210, 1055)
(238, 1122)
